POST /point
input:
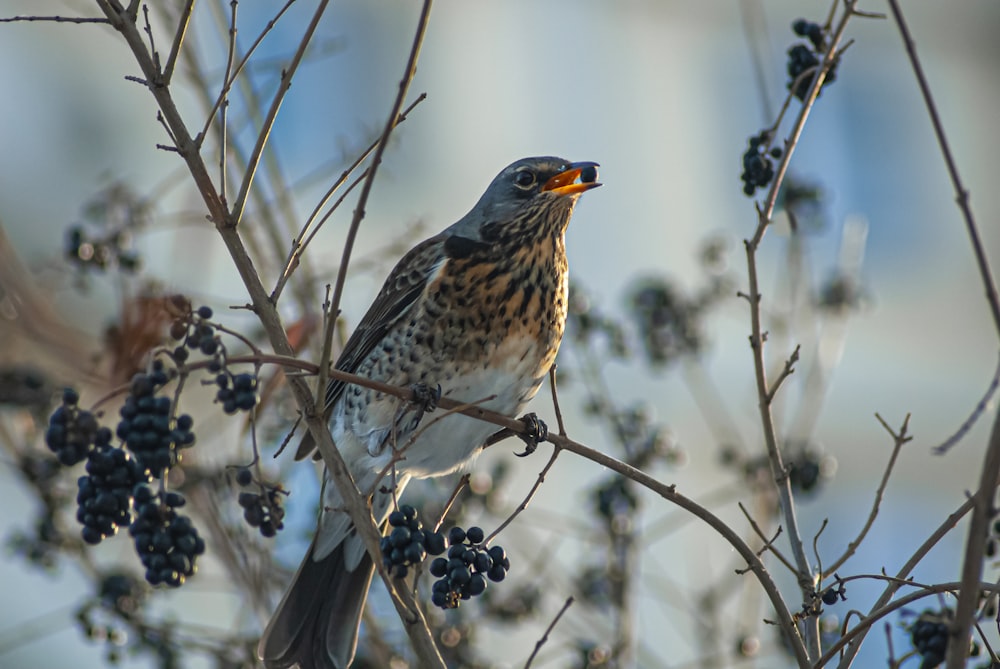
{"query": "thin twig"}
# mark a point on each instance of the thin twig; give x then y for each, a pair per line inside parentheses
(306, 234)
(224, 107)
(949, 524)
(548, 630)
(272, 114)
(179, 35)
(767, 543)
(527, 498)
(980, 409)
(819, 560)
(555, 401)
(860, 630)
(462, 482)
(53, 19)
(898, 439)
(961, 194)
(786, 371)
(228, 83)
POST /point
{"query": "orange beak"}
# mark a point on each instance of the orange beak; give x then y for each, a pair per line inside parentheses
(576, 178)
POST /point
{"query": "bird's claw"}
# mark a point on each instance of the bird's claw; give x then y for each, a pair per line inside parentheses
(425, 398)
(536, 431)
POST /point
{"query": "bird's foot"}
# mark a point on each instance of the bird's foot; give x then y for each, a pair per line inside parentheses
(425, 399)
(536, 431)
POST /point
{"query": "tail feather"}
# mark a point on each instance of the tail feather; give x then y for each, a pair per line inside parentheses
(316, 623)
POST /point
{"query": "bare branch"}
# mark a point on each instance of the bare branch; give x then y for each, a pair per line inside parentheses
(307, 233)
(768, 543)
(964, 428)
(265, 132)
(786, 371)
(898, 440)
(179, 35)
(949, 523)
(527, 499)
(555, 401)
(52, 19)
(859, 631)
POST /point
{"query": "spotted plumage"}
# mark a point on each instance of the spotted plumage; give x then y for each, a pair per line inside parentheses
(478, 310)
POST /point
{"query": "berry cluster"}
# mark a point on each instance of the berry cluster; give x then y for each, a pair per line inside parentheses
(929, 635)
(87, 251)
(195, 333)
(614, 499)
(167, 543)
(812, 31)
(104, 496)
(261, 510)
(805, 471)
(802, 58)
(147, 427)
(408, 543)
(758, 169)
(71, 431)
(464, 573)
(237, 392)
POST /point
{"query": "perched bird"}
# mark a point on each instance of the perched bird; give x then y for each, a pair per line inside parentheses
(475, 311)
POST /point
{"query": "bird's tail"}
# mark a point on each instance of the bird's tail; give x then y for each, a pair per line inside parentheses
(316, 623)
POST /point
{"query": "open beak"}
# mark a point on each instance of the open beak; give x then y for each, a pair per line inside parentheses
(576, 178)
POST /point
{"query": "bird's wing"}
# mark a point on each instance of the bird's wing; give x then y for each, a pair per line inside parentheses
(400, 291)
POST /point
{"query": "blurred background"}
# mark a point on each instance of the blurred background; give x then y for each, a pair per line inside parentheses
(664, 95)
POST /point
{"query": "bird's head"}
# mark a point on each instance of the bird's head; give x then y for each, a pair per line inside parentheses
(533, 196)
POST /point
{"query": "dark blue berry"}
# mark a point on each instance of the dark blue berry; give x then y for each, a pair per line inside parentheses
(456, 536)
(439, 567)
(243, 476)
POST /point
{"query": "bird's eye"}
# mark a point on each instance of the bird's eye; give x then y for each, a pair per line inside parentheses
(524, 179)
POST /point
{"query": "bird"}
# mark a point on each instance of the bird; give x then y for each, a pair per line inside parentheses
(476, 311)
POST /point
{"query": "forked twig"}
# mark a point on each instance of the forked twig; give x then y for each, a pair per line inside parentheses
(898, 439)
(768, 543)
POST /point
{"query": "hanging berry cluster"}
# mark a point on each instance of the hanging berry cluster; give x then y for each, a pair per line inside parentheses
(119, 488)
